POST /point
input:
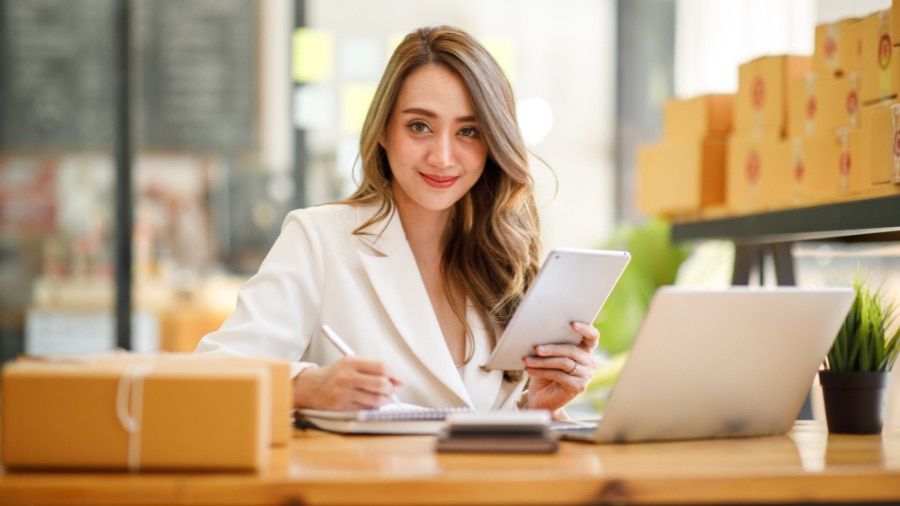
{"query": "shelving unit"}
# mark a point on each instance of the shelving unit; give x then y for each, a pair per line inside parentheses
(757, 235)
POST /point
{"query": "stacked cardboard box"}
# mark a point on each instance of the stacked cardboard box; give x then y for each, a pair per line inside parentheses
(759, 173)
(805, 129)
(685, 172)
(139, 412)
(841, 101)
(837, 50)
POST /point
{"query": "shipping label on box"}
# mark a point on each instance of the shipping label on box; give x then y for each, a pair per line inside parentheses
(759, 173)
(681, 176)
(877, 54)
(134, 414)
(698, 118)
(822, 103)
(764, 87)
(838, 49)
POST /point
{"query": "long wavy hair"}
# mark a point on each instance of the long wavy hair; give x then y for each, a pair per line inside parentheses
(492, 245)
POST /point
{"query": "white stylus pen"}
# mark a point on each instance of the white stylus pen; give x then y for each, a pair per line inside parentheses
(344, 348)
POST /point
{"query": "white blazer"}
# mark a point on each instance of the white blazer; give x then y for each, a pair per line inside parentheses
(369, 290)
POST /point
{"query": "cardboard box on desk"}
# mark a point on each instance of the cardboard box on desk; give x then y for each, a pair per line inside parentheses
(764, 86)
(280, 387)
(876, 73)
(681, 176)
(698, 118)
(822, 103)
(281, 390)
(759, 174)
(136, 415)
(837, 48)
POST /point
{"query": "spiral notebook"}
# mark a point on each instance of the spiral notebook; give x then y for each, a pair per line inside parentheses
(389, 419)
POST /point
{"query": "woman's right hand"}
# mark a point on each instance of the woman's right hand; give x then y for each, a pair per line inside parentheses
(350, 384)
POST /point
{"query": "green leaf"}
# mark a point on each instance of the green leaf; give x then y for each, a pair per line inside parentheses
(862, 343)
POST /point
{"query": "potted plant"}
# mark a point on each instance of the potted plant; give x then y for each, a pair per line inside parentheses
(857, 368)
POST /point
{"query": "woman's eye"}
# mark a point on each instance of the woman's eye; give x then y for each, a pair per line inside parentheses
(419, 127)
(469, 132)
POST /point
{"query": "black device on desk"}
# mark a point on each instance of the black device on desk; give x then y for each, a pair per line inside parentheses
(525, 431)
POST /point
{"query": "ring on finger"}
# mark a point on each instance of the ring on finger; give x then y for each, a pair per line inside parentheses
(574, 367)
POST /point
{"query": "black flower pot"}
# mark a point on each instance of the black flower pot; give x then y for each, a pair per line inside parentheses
(854, 401)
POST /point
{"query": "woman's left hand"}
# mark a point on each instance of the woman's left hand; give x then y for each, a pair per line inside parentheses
(559, 372)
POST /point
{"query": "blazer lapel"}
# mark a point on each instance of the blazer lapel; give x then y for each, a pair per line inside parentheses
(395, 276)
(484, 385)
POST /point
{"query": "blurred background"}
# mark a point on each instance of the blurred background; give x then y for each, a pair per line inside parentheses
(150, 149)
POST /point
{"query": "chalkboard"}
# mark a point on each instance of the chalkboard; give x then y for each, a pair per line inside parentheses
(193, 82)
(55, 73)
(196, 73)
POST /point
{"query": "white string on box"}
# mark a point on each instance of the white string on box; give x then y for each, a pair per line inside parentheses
(130, 417)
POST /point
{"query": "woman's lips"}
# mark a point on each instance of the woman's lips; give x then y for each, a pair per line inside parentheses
(439, 181)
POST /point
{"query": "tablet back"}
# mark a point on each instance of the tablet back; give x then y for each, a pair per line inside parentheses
(572, 285)
(722, 363)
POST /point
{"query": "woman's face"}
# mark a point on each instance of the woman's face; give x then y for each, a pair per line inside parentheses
(433, 141)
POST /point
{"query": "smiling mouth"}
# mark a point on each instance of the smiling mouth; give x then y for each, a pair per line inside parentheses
(439, 181)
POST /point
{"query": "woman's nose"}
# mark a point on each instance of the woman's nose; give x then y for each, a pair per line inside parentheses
(441, 154)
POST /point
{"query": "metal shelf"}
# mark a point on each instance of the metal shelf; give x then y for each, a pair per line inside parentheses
(876, 217)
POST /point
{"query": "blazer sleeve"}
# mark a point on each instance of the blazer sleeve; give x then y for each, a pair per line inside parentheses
(277, 308)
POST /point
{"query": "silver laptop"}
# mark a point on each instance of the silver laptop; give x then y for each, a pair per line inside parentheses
(731, 362)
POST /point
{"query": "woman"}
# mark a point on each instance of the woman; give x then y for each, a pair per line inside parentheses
(422, 267)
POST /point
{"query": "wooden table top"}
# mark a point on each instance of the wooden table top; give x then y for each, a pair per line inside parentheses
(806, 465)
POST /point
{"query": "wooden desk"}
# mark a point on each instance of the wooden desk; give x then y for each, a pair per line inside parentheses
(807, 465)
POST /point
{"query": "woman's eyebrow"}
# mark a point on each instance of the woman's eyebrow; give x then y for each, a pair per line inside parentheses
(432, 114)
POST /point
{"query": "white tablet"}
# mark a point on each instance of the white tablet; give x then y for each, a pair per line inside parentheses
(571, 285)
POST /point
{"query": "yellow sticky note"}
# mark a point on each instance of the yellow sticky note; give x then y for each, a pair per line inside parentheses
(355, 101)
(504, 51)
(313, 58)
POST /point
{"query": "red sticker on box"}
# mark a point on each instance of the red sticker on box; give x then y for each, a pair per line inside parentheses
(798, 171)
(897, 144)
(852, 102)
(884, 51)
(758, 92)
(845, 163)
(753, 166)
(830, 47)
(811, 108)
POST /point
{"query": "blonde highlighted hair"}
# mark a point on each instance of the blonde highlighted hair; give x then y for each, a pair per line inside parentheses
(492, 247)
